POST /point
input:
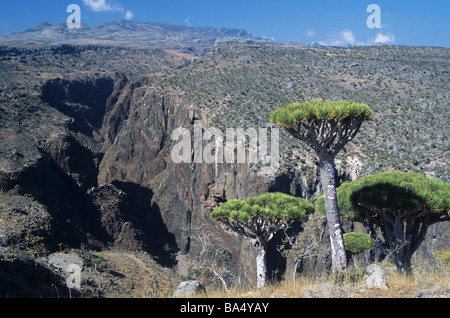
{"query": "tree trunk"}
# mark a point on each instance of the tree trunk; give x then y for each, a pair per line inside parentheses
(327, 173)
(401, 245)
(261, 267)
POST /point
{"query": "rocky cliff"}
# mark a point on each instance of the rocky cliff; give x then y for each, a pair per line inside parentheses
(183, 194)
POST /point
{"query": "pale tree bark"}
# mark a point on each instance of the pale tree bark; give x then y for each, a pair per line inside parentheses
(327, 174)
(261, 267)
(259, 231)
(327, 134)
(327, 139)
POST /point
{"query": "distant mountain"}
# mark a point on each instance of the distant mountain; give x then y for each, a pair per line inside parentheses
(129, 33)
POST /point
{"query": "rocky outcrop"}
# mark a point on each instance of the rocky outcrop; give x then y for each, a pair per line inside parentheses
(376, 279)
(84, 101)
(188, 289)
(57, 168)
(184, 193)
(117, 107)
(117, 217)
(75, 160)
(25, 226)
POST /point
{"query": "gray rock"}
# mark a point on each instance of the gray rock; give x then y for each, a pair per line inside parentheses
(376, 279)
(188, 288)
(435, 290)
(62, 261)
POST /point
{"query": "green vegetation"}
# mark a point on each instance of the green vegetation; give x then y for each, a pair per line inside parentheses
(396, 206)
(259, 218)
(238, 92)
(294, 115)
(356, 243)
(276, 207)
(93, 260)
(326, 127)
(388, 192)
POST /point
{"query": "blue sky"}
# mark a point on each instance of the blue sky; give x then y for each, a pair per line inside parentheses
(334, 22)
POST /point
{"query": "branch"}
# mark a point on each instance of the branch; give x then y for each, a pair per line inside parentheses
(347, 133)
(421, 234)
(380, 212)
(238, 228)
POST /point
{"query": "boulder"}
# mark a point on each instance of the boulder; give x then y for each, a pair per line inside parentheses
(376, 279)
(434, 291)
(188, 288)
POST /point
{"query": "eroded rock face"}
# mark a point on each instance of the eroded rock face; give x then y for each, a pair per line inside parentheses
(56, 163)
(24, 226)
(84, 101)
(118, 218)
(184, 194)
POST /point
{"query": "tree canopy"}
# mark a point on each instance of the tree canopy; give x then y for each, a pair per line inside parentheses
(294, 113)
(276, 206)
(397, 208)
(324, 125)
(259, 218)
(393, 193)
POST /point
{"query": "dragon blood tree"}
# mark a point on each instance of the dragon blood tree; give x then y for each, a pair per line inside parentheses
(259, 218)
(397, 208)
(326, 126)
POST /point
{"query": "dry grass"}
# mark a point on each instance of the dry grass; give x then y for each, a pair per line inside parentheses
(425, 285)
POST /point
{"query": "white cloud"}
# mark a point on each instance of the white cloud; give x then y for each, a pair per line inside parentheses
(98, 5)
(310, 33)
(348, 38)
(343, 38)
(104, 6)
(188, 21)
(384, 39)
(129, 15)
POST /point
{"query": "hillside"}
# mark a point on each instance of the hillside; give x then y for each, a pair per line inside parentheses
(239, 85)
(85, 142)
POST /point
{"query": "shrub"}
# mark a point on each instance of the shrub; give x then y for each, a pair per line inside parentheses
(356, 243)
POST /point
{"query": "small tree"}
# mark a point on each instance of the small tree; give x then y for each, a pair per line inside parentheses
(356, 243)
(326, 127)
(396, 208)
(260, 218)
(307, 244)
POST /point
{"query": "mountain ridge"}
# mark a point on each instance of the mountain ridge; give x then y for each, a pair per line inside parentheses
(160, 34)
